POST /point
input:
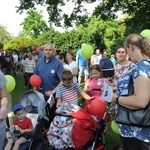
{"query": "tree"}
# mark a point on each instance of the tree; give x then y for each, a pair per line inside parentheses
(137, 10)
(5, 36)
(16, 42)
(33, 24)
(54, 8)
(106, 10)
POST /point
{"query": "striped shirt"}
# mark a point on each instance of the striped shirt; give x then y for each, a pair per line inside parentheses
(29, 65)
(69, 94)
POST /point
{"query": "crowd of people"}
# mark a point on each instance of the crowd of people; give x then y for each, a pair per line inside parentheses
(62, 76)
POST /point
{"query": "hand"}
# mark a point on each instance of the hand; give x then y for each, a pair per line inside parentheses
(22, 131)
(48, 93)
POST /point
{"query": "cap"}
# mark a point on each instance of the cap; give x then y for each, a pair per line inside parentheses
(107, 94)
(17, 107)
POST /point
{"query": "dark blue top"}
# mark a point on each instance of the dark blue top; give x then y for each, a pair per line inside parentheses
(50, 72)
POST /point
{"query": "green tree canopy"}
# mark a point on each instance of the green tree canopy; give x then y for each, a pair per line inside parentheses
(15, 43)
(33, 24)
(5, 36)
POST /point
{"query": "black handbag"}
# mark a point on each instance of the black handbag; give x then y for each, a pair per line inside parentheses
(138, 117)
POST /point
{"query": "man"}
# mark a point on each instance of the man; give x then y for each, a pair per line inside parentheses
(28, 68)
(50, 69)
(83, 65)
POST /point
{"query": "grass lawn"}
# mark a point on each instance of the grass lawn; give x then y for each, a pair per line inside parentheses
(112, 139)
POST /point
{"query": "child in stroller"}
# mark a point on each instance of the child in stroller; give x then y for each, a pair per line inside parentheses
(34, 104)
(25, 125)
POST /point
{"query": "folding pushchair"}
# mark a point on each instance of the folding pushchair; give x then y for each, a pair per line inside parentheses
(34, 105)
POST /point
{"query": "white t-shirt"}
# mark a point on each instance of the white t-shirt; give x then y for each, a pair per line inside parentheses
(96, 59)
(72, 65)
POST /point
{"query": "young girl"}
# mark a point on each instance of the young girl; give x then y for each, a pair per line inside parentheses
(93, 85)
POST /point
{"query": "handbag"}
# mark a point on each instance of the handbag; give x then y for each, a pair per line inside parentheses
(138, 117)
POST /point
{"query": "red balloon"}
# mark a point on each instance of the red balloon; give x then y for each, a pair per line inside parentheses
(33, 48)
(21, 47)
(35, 80)
(98, 108)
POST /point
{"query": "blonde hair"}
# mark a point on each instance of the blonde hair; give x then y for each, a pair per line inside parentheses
(139, 41)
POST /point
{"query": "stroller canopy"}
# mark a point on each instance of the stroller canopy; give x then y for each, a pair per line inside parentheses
(34, 100)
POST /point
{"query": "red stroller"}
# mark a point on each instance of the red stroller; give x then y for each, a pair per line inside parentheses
(74, 128)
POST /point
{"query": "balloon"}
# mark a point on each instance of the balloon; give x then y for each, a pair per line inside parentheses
(97, 108)
(38, 50)
(11, 83)
(145, 33)
(87, 51)
(21, 47)
(35, 80)
(33, 48)
(114, 127)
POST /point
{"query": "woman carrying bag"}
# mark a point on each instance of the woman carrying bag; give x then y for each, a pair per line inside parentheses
(134, 98)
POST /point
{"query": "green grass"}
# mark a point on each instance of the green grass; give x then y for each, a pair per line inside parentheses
(112, 139)
(19, 89)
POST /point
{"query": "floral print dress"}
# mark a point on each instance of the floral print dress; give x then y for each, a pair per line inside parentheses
(142, 68)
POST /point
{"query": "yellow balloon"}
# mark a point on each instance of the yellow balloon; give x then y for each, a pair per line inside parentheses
(114, 127)
(11, 83)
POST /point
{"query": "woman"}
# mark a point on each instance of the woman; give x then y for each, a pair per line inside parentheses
(96, 57)
(138, 49)
(123, 65)
(72, 64)
(3, 108)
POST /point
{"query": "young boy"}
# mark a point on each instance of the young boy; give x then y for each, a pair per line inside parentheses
(25, 125)
(68, 92)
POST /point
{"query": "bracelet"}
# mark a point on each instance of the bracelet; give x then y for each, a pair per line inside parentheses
(117, 100)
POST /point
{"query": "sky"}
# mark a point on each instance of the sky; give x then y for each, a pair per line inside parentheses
(12, 20)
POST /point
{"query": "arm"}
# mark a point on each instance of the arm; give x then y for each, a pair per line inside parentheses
(48, 93)
(92, 60)
(141, 97)
(4, 103)
(58, 103)
(86, 89)
(26, 130)
(74, 71)
(86, 96)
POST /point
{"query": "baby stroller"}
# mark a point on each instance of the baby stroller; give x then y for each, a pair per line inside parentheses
(34, 104)
(73, 128)
(76, 128)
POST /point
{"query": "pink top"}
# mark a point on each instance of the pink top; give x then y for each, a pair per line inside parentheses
(96, 86)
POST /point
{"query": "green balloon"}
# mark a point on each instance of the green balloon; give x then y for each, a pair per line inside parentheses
(145, 33)
(11, 83)
(87, 51)
(114, 127)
